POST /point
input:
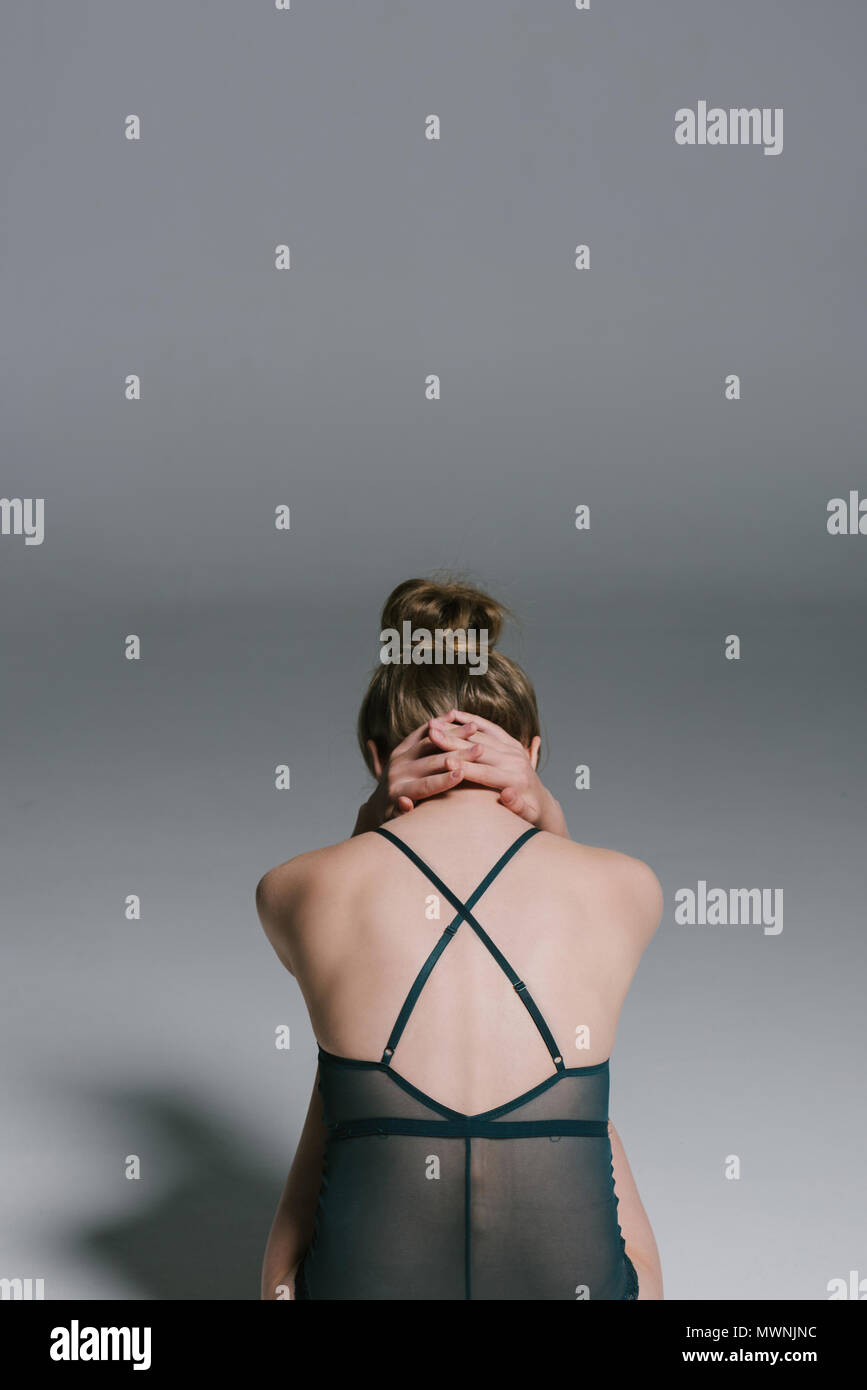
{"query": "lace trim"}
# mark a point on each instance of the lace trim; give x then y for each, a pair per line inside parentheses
(631, 1271)
(632, 1279)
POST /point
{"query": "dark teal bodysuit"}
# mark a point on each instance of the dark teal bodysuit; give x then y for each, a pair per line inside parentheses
(419, 1201)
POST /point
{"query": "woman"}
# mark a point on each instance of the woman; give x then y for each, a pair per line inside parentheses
(464, 964)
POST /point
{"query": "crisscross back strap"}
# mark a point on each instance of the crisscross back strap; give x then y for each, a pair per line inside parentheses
(464, 914)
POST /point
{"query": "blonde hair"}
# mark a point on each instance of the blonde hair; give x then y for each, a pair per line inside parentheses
(400, 698)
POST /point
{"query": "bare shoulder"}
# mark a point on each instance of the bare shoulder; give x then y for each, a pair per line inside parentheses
(625, 883)
(285, 894)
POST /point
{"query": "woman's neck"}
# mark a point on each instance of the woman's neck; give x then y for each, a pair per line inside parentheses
(468, 802)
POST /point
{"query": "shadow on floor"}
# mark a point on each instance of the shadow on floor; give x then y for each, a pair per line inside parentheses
(205, 1237)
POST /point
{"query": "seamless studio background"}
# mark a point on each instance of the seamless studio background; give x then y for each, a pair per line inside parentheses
(306, 388)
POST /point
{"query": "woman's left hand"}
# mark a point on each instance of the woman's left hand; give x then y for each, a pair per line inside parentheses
(505, 765)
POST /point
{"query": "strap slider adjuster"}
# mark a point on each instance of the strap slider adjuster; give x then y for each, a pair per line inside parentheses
(519, 985)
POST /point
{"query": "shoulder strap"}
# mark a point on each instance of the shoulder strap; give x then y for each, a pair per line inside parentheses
(464, 914)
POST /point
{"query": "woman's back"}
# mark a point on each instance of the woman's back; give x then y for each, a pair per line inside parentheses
(464, 1041)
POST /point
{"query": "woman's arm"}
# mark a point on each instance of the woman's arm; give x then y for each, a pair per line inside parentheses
(292, 1228)
(634, 1225)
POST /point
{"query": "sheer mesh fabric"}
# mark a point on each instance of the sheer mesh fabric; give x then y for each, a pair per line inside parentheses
(419, 1201)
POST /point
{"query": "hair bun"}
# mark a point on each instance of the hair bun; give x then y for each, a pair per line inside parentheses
(403, 695)
(432, 604)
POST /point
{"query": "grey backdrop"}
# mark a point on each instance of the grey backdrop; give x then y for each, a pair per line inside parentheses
(306, 387)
